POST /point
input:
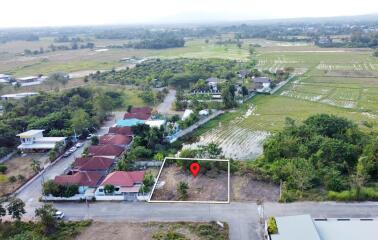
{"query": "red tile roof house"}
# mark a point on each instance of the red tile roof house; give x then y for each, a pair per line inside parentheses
(127, 185)
(127, 131)
(141, 113)
(99, 164)
(108, 150)
(115, 139)
(84, 180)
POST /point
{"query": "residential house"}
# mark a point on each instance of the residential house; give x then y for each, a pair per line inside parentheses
(262, 84)
(127, 184)
(33, 140)
(4, 78)
(108, 150)
(244, 73)
(141, 113)
(89, 164)
(115, 139)
(129, 122)
(127, 131)
(155, 123)
(84, 180)
(186, 114)
(31, 80)
(213, 82)
(17, 96)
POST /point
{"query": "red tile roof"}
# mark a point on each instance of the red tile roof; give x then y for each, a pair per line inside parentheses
(140, 116)
(115, 139)
(124, 179)
(93, 163)
(105, 150)
(121, 130)
(141, 110)
(90, 179)
(142, 113)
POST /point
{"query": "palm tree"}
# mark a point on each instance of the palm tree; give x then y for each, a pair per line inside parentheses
(35, 165)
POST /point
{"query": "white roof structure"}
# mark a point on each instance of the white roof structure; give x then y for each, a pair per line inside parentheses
(18, 95)
(204, 112)
(187, 114)
(304, 227)
(155, 123)
(295, 228)
(30, 133)
(29, 78)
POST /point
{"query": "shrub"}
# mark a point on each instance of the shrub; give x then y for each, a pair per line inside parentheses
(182, 190)
(365, 194)
(272, 226)
(3, 168)
(12, 179)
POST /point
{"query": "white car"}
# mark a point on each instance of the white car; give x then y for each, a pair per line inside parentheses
(59, 215)
(79, 145)
(73, 149)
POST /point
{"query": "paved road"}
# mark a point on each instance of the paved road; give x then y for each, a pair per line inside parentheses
(31, 193)
(166, 106)
(241, 217)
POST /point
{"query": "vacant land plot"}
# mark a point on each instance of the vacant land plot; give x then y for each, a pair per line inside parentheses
(213, 186)
(155, 231)
(18, 172)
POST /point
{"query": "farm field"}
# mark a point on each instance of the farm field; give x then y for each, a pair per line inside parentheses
(241, 133)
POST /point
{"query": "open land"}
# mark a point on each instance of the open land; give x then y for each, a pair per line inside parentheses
(152, 230)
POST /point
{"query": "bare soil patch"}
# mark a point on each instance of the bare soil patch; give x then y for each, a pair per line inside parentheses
(203, 187)
(19, 167)
(243, 187)
(153, 230)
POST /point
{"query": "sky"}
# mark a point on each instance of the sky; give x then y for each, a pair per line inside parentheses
(27, 13)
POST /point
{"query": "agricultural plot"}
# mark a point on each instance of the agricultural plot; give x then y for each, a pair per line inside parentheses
(241, 134)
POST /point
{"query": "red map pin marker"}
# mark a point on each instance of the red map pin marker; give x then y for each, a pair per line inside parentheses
(194, 168)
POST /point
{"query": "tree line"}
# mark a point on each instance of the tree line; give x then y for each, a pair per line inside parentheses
(60, 114)
(325, 152)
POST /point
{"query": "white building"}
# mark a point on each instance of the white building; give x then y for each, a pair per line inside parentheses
(4, 78)
(187, 114)
(17, 96)
(304, 227)
(33, 140)
(155, 123)
(31, 80)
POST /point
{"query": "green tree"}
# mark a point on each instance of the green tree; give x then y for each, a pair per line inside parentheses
(301, 173)
(35, 165)
(94, 140)
(80, 120)
(52, 155)
(16, 208)
(3, 168)
(109, 189)
(228, 96)
(182, 190)
(159, 156)
(47, 219)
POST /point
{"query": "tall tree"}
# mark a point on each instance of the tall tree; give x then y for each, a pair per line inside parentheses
(16, 208)
(46, 216)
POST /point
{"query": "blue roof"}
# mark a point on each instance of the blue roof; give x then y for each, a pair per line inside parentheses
(129, 122)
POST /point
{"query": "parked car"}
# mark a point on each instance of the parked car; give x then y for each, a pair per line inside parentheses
(72, 149)
(59, 215)
(66, 154)
(79, 145)
(90, 136)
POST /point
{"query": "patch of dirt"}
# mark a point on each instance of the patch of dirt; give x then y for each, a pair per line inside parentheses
(141, 231)
(246, 188)
(203, 188)
(209, 187)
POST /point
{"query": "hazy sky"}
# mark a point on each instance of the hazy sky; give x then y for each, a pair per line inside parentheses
(98, 12)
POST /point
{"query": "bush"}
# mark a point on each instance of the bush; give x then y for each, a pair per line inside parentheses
(272, 226)
(365, 194)
(50, 187)
(12, 179)
(3, 168)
